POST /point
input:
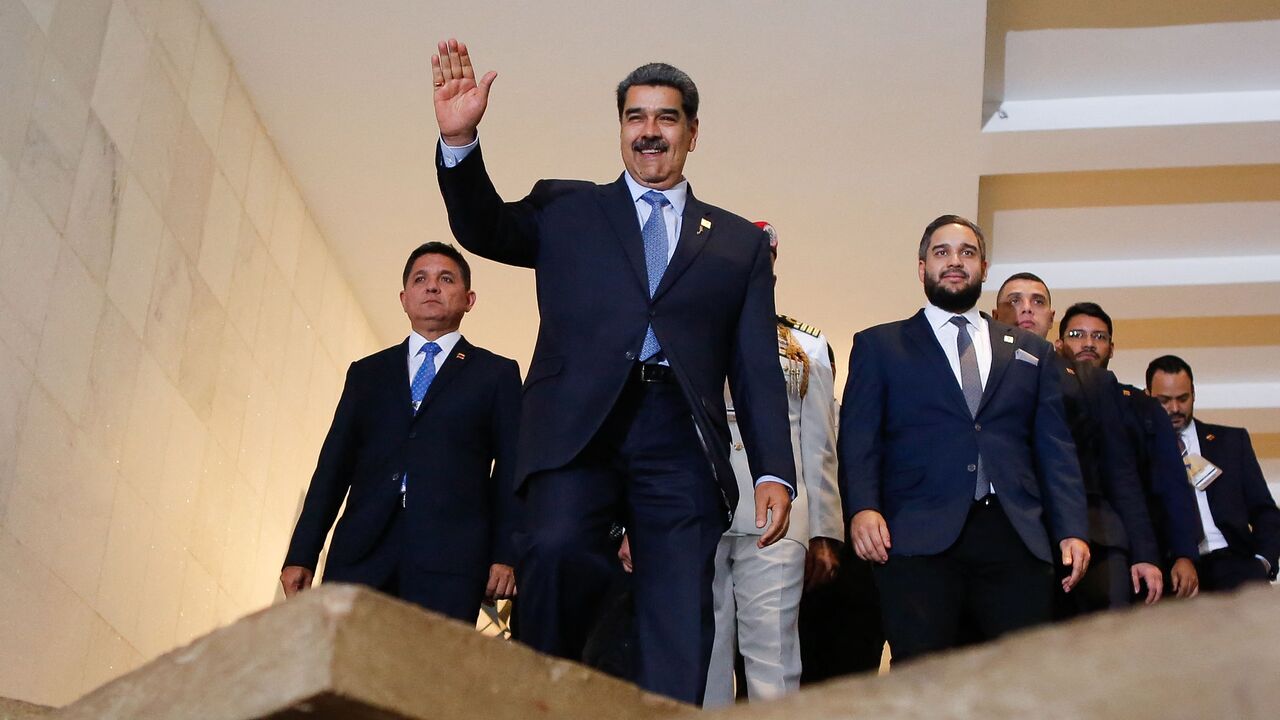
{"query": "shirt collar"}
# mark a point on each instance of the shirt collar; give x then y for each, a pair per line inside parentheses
(1190, 431)
(446, 342)
(675, 195)
(939, 318)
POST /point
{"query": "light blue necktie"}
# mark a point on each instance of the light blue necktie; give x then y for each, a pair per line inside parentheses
(426, 373)
(654, 233)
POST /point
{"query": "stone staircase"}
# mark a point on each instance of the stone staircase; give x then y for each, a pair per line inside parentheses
(346, 652)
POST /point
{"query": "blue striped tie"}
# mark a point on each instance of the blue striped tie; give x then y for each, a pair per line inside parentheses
(654, 233)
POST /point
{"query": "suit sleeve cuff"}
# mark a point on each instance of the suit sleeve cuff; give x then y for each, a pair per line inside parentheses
(775, 479)
(451, 155)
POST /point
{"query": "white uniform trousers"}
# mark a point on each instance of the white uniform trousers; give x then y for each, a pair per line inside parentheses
(757, 604)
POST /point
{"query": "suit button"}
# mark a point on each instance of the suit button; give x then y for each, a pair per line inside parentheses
(413, 434)
(972, 468)
(630, 355)
(652, 314)
(977, 426)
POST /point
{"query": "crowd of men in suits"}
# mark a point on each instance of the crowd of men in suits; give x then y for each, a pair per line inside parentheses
(676, 438)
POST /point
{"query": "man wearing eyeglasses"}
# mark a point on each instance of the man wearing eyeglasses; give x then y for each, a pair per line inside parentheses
(1122, 545)
(1086, 335)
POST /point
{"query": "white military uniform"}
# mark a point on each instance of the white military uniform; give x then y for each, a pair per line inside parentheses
(757, 592)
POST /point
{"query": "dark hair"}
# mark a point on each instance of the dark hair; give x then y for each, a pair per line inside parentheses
(1025, 276)
(1171, 364)
(437, 248)
(949, 220)
(663, 75)
(1088, 309)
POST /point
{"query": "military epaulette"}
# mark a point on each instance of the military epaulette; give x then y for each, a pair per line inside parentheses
(795, 324)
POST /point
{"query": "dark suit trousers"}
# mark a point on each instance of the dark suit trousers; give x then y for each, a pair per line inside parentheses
(391, 569)
(1227, 570)
(987, 575)
(644, 468)
(1106, 586)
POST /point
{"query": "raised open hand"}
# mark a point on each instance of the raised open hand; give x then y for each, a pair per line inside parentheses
(460, 101)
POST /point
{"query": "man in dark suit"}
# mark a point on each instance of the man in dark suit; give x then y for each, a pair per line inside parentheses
(1087, 335)
(1122, 545)
(649, 299)
(1240, 519)
(422, 447)
(955, 459)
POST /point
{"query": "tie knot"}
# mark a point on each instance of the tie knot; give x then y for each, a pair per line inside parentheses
(430, 349)
(655, 198)
(960, 321)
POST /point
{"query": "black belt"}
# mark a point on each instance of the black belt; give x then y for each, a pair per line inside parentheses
(653, 373)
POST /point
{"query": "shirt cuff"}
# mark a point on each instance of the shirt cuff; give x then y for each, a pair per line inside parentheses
(1265, 563)
(775, 479)
(453, 155)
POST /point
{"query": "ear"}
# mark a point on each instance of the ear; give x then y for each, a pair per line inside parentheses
(403, 306)
(471, 300)
(1053, 314)
(693, 134)
(921, 272)
(984, 270)
(1057, 344)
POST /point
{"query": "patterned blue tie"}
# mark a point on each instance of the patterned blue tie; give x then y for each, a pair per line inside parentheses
(426, 373)
(654, 233)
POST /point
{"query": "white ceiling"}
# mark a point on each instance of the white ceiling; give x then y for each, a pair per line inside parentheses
(1175, 60)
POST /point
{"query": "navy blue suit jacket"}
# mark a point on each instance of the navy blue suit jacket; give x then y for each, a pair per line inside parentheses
(1175, 515)
(458, 451)
(1239, 500)
(909, 446)
(713, 314)
(1118, 516)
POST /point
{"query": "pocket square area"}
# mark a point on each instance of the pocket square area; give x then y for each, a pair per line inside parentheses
(1026, 357)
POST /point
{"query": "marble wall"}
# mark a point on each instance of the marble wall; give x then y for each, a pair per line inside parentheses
(173, 338)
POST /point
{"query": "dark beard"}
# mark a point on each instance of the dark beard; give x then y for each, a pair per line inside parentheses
(954, 302)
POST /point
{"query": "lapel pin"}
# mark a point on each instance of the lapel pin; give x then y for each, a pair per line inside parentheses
(704, 225)
(1008, 339)
(1071, 371)
(461, 356)
(1210, 436)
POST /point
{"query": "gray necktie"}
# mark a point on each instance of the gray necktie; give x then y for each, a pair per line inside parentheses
(971, 384)
(654, 234)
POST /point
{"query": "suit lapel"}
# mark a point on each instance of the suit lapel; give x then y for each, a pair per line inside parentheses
(453, 365)
(921, 334)
(1207, 447)
(397, 369)
(694, 233)
(1001, 355)
(620, 209)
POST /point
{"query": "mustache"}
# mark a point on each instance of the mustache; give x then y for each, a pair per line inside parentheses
(652, 143)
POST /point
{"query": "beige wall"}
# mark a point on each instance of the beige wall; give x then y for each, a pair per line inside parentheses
(173, 336)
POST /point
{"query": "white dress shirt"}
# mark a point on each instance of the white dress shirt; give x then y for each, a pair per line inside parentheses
(1213, 537)
(946, 332)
